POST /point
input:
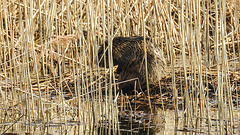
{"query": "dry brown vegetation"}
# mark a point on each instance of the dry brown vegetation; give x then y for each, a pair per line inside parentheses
(49, 72)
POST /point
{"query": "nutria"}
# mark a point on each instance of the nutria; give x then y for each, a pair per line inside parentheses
(128, 54)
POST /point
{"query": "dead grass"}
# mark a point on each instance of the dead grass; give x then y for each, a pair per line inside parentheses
(45, 44)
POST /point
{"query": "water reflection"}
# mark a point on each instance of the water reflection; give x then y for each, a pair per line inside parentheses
(140, 122)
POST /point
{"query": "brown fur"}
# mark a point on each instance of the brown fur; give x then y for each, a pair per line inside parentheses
(128, 54)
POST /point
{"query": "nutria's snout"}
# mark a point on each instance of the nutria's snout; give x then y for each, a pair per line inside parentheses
(128, 54)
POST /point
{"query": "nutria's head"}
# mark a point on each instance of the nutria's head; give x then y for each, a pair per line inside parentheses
(103, 55)
(124, 49)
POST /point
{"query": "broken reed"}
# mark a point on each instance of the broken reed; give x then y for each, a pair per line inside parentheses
(44, 43)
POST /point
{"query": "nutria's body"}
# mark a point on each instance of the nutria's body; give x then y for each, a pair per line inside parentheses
(128, 54)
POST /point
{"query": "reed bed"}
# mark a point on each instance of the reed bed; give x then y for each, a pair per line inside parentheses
(51, 82)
